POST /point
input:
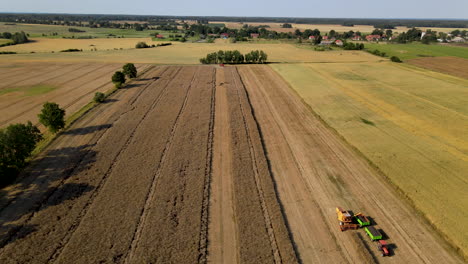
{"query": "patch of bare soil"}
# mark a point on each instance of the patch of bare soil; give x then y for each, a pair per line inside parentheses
(449, 65)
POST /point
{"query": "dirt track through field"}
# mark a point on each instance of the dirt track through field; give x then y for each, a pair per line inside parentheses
(131, 181)
(315, 172)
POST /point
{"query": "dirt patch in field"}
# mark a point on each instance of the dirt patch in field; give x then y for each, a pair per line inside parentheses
(449, 65)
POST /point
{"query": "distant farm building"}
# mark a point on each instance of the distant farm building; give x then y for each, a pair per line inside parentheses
(312, 37)
(159, 36)
(356, 38)
(254, 35)
(325, 38)
(458, 39)
(373, 37)
(224, 35)
(339, 42)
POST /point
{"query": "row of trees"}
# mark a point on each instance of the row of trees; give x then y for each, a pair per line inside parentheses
(353, 46)
(17, 38)
(128, 70)
(17, 141)
(75, 19)
(235, 57)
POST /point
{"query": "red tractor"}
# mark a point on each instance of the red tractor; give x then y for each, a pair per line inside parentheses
(382, 245)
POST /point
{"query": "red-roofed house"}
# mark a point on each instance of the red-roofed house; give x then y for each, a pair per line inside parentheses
(339, 42)
(373, 37)
(254, 35)
(356, 37)
(312, 37)
(159, 36)
(224, 35)
(325, 37)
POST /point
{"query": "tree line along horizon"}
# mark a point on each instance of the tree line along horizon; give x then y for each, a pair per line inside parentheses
(204, 30)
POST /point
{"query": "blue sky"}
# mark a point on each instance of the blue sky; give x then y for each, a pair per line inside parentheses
(283, 8)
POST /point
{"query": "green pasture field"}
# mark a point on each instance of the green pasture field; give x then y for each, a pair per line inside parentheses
(37, 30)
(411, 51)
(29, 91)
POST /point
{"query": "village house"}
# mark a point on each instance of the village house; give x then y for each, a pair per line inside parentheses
(224, 35)
(356, 38)
(458, 39)
(311, 37)
(373, 37)
(254, 35)
(339, 42)
(159, 36)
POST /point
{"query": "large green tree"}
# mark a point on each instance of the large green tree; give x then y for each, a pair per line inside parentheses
(118, 79)
(17, 141)
(52, 117)
(130, 70)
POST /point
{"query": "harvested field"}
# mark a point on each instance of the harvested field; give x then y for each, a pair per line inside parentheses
(190, 53)
(130, 182)
(315, 171)
(409, 122)
(26, 87)
(449, 65)
(258, 217)
(57, 45)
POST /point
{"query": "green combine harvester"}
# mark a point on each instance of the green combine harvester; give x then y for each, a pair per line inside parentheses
(373, 233)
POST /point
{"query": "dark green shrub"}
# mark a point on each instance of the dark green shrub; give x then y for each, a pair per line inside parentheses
(99, 97)
(395, 59)
(141, 45)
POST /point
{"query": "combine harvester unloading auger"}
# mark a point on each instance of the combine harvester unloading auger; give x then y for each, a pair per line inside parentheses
(353, 222)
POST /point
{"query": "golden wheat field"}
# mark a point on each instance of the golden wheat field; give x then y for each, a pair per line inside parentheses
(410, 123)
(56, 45)
(178, 53)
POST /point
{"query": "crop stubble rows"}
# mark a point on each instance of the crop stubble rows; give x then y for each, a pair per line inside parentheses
(75, 84)
(262, 234)
(130, 182)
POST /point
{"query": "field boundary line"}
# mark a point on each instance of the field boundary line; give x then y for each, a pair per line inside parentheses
(101, 183)
(152, 190)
